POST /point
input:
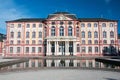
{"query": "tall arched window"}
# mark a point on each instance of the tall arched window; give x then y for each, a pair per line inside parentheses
(111, 34)
(61, 31)
(45, 32)
(89, 34)
(19, 34)
(104, 41)
(53, 31)
(70, 31)
(103, 25)
(27, 34)
(12, 34)
(104, 34)
(33, 34)
(83, 34)
(77, 31)
(78, 48)
(95, 34)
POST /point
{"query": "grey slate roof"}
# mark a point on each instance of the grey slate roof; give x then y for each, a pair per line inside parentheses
(95, 20)
(67, 14)
(28, 20)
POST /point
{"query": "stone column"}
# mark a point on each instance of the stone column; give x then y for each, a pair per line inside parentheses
(74, 48)
(47, 48)
(55, 47)
(66, 47)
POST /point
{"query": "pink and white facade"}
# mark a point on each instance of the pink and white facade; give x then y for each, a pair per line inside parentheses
(60, 33)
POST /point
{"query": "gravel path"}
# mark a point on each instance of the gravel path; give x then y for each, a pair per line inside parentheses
(61, 74)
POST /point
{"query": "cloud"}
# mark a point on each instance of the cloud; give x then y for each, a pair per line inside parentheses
(107, 1)
(9, 10)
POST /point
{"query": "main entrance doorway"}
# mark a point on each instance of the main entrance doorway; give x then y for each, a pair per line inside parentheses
(62, 48)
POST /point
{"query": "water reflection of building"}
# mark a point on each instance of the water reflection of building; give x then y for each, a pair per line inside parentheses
(38, 63)
(61, 33)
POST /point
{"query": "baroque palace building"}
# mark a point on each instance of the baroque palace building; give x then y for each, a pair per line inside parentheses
(61, 33)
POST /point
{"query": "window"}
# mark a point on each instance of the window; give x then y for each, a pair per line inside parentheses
(53, 23)
(45, 31)
(89, 25)
(33, 34)
(12, 26)
(27, 34)
(33, 49)
(18, 49)
(40, 25)
(11, 49)
(104, 41)
(89, 42)
(19, 25)
(83, 49)
(11, 42)
(27, 49)
(69, 22)
(83, 34)
(40, 42)
(40, 34)
(34, 25)
(96, 42)
(78, 48)
(33, 42)
(61, 31)
(39, 49)
(27, 41)
(104, 34)
(83, 41)
(77, 31)
(89, 34)
(53, 31)
(18, 41)
(70, 31)
(95, 34)
(61, 23)
(103, 25)
(82, 25)
(19, 34)
(112, 41)
(96, 49)
(28, 25)
(89, 49)
(111, 34)
(95, 25)
(12, 34)
(111, 25)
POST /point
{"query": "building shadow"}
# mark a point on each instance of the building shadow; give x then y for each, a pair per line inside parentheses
(110, 79)
(111, 51)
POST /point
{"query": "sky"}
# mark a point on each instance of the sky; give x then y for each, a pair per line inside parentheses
(15, 9)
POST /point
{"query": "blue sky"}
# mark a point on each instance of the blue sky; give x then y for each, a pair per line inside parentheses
(14, 9)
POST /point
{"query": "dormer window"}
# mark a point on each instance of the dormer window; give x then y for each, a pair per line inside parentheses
(69, 22)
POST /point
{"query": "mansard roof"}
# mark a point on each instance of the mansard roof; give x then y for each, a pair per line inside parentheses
(95, 20)
(67, 14)
(28, 20)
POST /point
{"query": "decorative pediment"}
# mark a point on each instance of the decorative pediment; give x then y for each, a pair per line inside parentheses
(60, 17)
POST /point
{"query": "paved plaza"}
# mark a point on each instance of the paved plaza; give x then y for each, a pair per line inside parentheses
(60, 74)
